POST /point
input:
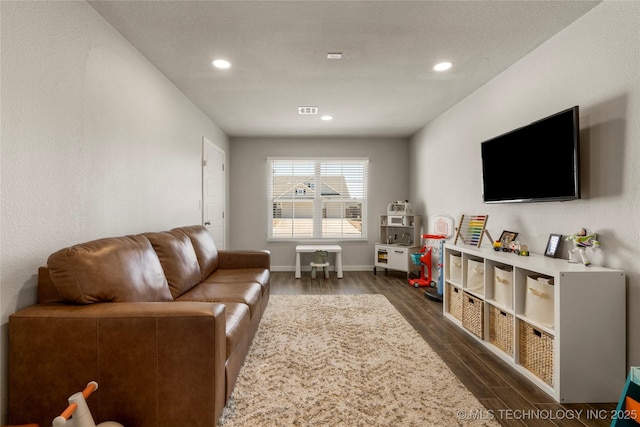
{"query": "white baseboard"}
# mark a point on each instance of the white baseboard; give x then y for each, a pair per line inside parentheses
(331, 268)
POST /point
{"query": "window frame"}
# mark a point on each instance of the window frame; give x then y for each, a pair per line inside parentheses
(320, 206)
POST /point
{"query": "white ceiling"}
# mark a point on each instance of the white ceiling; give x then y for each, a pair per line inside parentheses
(383, 85)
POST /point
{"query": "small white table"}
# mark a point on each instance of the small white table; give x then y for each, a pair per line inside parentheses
(337, 249)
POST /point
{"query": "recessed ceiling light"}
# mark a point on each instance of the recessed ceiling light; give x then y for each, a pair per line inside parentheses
(334, 55)
(221, 63)
(443, 66)
(326, 118)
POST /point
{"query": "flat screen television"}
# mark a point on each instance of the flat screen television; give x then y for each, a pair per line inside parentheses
(539, 162)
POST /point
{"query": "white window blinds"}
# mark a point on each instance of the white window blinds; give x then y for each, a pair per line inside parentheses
(318, 198)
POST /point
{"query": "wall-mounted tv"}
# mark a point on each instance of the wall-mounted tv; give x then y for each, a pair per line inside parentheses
(539, 162)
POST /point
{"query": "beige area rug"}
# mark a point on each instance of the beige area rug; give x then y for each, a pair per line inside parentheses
(344, 360)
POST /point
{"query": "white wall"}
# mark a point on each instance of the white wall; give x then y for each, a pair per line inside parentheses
(388, 182)
(96, 142)
(594, 63)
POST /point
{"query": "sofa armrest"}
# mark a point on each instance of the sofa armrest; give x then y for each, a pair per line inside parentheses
(156, 363)
(245, 259)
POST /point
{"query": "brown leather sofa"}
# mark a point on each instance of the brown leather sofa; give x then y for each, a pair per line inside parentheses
(162, 321)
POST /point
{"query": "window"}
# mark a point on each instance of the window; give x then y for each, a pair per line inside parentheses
(319, 198)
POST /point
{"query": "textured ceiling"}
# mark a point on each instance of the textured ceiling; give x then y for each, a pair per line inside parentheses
(382, 86)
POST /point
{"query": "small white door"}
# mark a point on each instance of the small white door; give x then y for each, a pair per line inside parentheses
(213, 191)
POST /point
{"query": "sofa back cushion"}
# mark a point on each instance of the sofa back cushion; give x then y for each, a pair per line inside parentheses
(115, 269)
(204, 246)
(178, 260)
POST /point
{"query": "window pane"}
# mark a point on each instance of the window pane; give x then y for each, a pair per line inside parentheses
(294, 219)
(342, 220)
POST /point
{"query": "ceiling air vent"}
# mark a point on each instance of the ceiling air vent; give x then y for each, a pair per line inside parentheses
(307, 110)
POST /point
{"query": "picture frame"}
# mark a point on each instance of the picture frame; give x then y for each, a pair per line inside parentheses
(507, 237)
(552, 245)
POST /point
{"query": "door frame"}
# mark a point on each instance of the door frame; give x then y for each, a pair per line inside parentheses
(208, 143)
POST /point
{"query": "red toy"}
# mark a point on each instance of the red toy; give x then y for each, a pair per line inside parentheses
(424, 259)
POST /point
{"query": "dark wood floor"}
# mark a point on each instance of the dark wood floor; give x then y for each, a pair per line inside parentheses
(509, 397)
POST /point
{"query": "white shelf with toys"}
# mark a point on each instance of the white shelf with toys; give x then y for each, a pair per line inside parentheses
(562, 325)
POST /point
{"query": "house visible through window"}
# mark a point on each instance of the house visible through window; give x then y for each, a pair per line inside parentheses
(319, 198)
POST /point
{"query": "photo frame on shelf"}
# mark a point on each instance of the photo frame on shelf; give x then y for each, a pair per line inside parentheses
(507, 237)
(552, 245)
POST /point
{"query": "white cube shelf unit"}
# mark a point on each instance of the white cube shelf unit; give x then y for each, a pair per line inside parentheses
(580, 357)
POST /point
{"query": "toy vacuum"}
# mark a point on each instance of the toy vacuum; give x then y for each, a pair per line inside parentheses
(424, 259)
(442, 228)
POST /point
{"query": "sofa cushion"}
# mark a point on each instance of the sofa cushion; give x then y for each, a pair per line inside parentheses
(226, 275)
(235, 275)
(238, 320)
(204, 246)
(178, 259)
(115, 269)
(247, 293)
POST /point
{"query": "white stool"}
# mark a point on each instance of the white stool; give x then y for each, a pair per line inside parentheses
(301, 249)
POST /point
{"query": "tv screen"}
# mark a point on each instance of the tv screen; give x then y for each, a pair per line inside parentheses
(539, 162)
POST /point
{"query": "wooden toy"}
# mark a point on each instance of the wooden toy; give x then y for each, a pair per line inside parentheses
(472, 228)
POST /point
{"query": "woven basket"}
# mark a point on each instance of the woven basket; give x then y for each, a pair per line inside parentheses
(501, 329)
(536, 352)
(454, 301)
(472, 315)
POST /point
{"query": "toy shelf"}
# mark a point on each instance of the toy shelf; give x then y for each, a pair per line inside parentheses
(580, 356)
